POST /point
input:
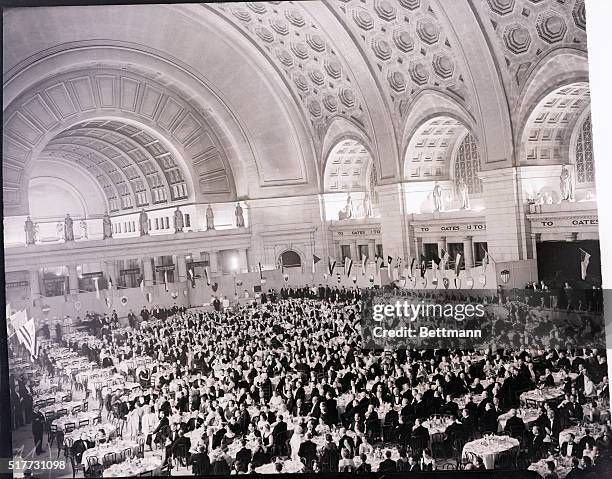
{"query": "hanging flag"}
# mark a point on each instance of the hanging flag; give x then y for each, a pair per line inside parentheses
(434, 266)
(17, 320)
(282, 266)
(206, 274)
(411, 268)
(584, 263)
(166, 281)
(364, 259)
(97, 286)
(458, 262)
(485, 259)
(110, 283)
(142, 286)
(27, 336)
(444, 260)
(330, 265)
(315, 260)
(348, 265)
(423, 266)
(389, 260)
(192, 276)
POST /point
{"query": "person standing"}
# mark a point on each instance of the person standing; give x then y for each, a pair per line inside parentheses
(38, 423)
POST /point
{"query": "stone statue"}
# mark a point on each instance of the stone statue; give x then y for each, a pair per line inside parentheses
(210, 218)
(143, 221)
(30, 231)
(107, 226)
(349, 206)
(463, 194)
(437, 197)
(59, 228)
(239, 216)
(179, 222)
(83, 226)
(567, 185)
(367, 205)
(68, 232)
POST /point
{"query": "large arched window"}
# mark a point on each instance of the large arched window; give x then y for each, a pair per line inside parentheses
(467, 164)
(585, 168)
(290, 259)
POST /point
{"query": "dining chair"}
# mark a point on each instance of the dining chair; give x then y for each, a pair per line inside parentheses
(69, 427)
(127, 453)
(66, 398)
(62, 412)
(85, 406)
(109, 458)
(76, 466)
(84, 422)
(92, 460)
(76, 409)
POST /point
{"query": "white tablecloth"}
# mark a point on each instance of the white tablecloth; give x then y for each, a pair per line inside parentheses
(488, 449)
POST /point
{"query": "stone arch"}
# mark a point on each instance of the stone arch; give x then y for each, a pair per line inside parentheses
(290, 259)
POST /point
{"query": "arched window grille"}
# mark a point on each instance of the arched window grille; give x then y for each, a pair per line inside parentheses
(467, 164)
(372, 180)
(585, 168)
(290, 259)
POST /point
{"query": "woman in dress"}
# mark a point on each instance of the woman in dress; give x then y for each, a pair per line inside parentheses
(428, 463)
(294, 443)
(132, 422)
(346, 464)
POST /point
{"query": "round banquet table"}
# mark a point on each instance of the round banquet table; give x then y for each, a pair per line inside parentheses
(489, 449)
(114, 446)
(563, 466)
(135, 467)
(377, 456)
(579, 432)
(289, 467)
(542, 396)
(529, 417)
(89, 433)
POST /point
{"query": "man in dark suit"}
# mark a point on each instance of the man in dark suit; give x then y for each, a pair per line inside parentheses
(388, 465)
(515, 426)
(570, 449)
(308, 450)
(200, 462)
(420, 436)
(535, 442)
(575, 472)
(244, 455)
(488, 420)
(330, 455)
(38, 424)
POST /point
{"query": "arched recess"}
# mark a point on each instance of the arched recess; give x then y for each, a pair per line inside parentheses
(430, 112)
(546, 136)
(290, 259)
(135, 122)
(66, 199)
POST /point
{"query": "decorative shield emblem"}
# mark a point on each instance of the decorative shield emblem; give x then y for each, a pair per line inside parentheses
(482, 279)
(354, 279)
(124, 300)
(174, 294)
(445, 282)
(505, 275)
(286, 277)
(434, 282)
(262, 281)
(238, 282)
(371, 279)
(214, 287)
(185, 292)
(457, 282)
(469, 282)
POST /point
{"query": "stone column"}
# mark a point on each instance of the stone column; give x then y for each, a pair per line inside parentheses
(34, 283)
(213, 259)
(243, 264)
(468, 252)
(147, 271)
(354, 251)
(181, 268)
(73, 279)
(419, 249)
(394, 222)
(442, 246)
(371, 250)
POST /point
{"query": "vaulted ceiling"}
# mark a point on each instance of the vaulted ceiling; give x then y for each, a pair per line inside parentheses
(210, 102)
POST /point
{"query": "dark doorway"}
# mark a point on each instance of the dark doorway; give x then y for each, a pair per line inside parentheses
(559, 261)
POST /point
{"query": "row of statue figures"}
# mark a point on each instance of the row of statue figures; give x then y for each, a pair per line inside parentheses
(350, 211)
(66, 229)
(462, 194)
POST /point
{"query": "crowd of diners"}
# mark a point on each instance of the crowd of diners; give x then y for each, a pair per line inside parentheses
(286, 378)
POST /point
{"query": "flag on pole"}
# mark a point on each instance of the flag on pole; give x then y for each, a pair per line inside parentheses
(348, 265)
(17, 320)
(458, 262)
(485, 259)
(434, 266)
(206, 274)
(166, 281)
(282, 266)
(411, 268)
(584, 263)
(110, 282)
(97, 286)
(27, 336)
(330, 265)
(389, 260)
(364, 259)
(315, 260)
(141, 286)
(192, 276)
(444, 260)
(423, 266)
